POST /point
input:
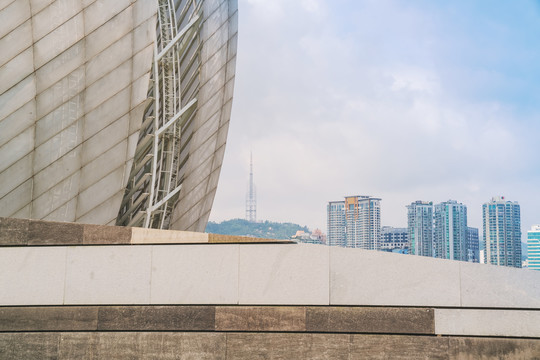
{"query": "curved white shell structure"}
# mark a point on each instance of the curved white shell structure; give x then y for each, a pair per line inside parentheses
(114, 111)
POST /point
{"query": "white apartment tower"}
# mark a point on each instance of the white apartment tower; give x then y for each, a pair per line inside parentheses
(502, 232)
(450, 230)
(355, 222)
(420, 225)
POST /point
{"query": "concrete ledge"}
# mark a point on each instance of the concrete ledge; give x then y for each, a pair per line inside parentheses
(218, 318)
(250, 345)
(517, 323)
(25, 232)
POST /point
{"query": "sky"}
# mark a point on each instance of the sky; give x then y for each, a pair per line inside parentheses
(401, 100)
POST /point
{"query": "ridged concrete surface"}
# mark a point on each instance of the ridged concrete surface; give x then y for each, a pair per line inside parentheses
(253, 346)
(74, 79)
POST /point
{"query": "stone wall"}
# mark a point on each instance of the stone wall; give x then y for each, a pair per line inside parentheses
(86, 291)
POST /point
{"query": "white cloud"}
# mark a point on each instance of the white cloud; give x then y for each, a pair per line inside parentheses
(365, 102)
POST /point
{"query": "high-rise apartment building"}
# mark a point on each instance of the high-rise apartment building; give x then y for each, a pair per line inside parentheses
(450, 230)
(502, 232)
(420, 227)
(394, 238)
(473, 245)
(533, 247)
(335, 211)
(355, 222)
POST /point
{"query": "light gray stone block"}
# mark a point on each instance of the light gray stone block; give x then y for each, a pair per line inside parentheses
(57, 196)
(16, 69)
(216, 41)
(65, 166)
(104, 164)
(144, 34)
(15, 175)
(108, 275)
(16, 200)
(54, 15)
(16, 149)
(15, 42)
(284, 274)
(57, 41)
(14, 15)
(109, 59)
(513, 288)
(364, 277)
(32, 276)
(18, 121)
(24, 213)
(61, 66)
(99, 12)
(100, 191)
(61, 92)
(65, 212)
(104, 213)
(477, 322)
(58, 146)
(105, 139)
(213, 76)
(105, 114)
(109, 33)
(142, 10)
(215, 21)
(195, 274)
(107, 86)
(59, 119)
(139, 90)
(142, 61)
(17, 96)
(38, 5)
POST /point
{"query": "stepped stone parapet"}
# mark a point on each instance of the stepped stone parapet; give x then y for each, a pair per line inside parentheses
(85, 291)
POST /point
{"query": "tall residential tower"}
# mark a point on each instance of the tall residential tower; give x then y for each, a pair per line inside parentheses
(450, 230)
(502, 232)
(533, 247)
(420, 225)
(355, 222)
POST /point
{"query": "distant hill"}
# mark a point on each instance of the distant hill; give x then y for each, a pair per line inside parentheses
(265, 229)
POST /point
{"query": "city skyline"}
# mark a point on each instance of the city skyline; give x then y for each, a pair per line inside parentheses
(405, 102)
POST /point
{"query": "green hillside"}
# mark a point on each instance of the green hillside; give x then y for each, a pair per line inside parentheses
(265, 229)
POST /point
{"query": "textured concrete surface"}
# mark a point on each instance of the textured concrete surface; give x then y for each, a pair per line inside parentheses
(228, 273)
(261, 318)
(518, 323)
(107, 275)
(367, 319)
(376, 278)
(18, 232)
(32, 276)
(211, 332)
(195, 274)
(157, 318)
(515, 288)
(61, 61)
(287, 274)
